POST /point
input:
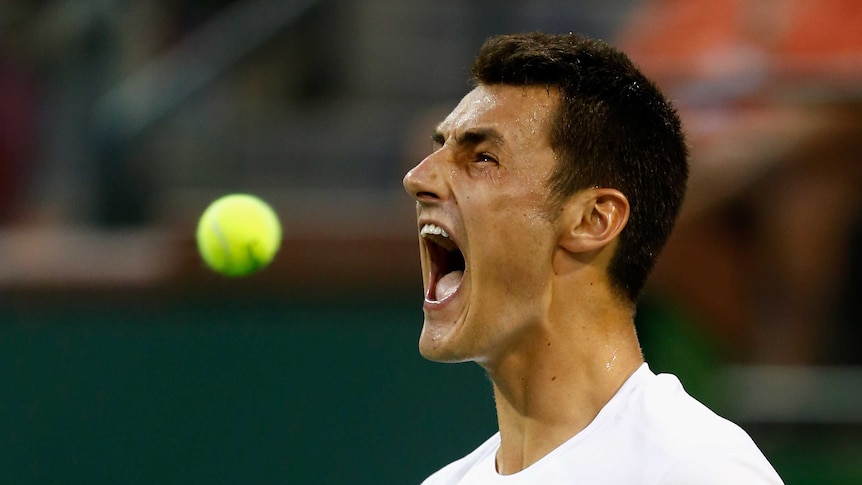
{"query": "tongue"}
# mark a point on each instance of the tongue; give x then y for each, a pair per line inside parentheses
(448, 284)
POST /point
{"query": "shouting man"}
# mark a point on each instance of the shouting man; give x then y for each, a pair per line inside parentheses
(551, 189)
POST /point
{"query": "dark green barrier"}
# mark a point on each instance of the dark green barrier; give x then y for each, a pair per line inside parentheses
(230, 393)
(272, 392)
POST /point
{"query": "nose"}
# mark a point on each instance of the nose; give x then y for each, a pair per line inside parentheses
(423, 182)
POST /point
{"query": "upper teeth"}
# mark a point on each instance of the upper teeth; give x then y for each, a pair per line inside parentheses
(429, 229)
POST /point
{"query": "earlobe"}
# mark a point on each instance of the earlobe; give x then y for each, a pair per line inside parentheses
(592, 219)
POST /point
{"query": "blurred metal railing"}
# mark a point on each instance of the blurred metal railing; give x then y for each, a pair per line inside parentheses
(201, 57)
(161, 87)
(773, 394)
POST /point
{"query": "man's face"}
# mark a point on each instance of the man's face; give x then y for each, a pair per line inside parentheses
(486, 239)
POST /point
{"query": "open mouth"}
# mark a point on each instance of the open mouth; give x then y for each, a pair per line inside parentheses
(447, 263)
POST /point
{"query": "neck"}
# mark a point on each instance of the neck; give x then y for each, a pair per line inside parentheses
(559, 379)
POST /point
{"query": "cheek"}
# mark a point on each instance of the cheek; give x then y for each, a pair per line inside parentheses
(507, 222)
(516, 245)
(523, 218)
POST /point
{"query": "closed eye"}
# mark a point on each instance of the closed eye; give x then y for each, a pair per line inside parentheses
(485, 158)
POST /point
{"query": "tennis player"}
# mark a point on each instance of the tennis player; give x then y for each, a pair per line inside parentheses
(551, 189)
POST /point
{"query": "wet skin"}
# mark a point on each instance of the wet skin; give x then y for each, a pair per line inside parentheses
(485, 185)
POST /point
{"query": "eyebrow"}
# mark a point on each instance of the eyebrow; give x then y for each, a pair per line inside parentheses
(471, 138)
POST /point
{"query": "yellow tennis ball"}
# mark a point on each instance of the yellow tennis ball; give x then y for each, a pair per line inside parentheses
(238, 234)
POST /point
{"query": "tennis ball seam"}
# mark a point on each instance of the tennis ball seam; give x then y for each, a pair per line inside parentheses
(223, 242)
(234, 253)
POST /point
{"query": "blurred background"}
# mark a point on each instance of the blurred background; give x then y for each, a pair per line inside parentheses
(122, 359)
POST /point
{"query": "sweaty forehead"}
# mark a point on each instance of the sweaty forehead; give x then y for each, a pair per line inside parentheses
(514, 111)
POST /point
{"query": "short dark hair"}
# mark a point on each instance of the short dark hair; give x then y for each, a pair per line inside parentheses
(613, 128)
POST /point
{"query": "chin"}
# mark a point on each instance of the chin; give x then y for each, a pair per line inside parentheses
(439, 346)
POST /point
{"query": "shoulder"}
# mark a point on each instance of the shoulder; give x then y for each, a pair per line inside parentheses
(453, 472)
(673, 419)
(698, 445)
(707, 466)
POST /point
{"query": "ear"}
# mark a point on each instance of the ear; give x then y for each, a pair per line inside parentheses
(592, 219)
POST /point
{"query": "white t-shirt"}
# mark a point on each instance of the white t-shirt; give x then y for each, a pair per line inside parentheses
(650, 433)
